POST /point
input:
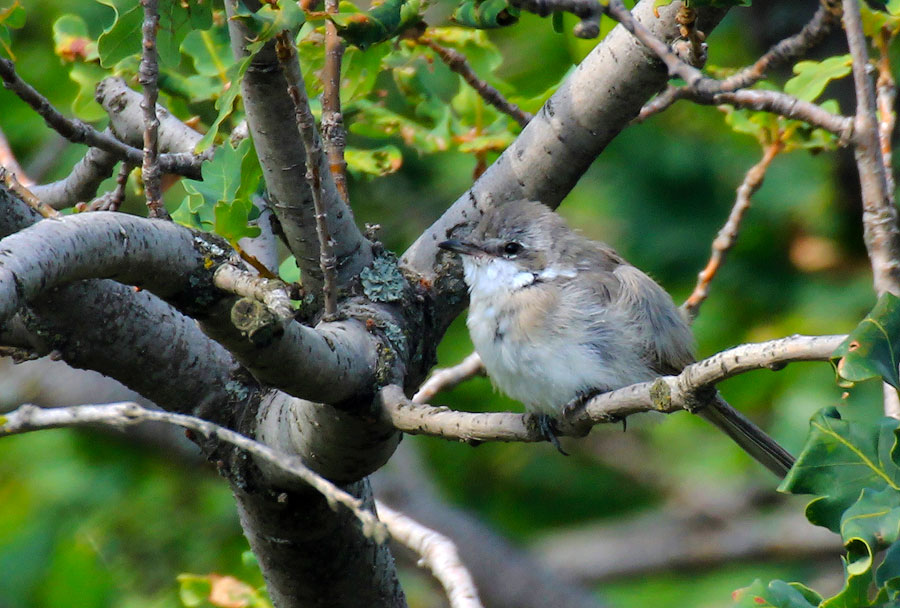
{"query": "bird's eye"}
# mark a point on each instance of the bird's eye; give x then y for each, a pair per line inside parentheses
(512, 248)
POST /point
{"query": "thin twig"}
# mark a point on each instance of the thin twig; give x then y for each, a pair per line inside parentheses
(112, 200)
(727, 236)
(333, 133)
(80, 132)
(437, 553)
(458, 63)
(666, 394)
(8, 178)
(8, 160)
(306, 125)
(447, 378)
(272, 293)
(786, 50)
(148, 75)
(887, 118)
(32, 418)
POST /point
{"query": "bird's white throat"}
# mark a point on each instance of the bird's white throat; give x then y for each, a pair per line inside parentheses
(489, 275)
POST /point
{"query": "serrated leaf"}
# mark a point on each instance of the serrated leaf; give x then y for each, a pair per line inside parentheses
(377, 162)
(383, 22)
(839, 460)
(813, 76)
(221, 201)
(872, 350)
(776, 594)
(176, 18)
(486, 14)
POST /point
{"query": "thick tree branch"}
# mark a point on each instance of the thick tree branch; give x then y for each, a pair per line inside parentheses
(667, 394)
(82, 133)
(306, 126)
(283, 161)
(82, 183)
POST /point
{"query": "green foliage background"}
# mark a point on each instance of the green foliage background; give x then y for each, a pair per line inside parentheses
(89, 520)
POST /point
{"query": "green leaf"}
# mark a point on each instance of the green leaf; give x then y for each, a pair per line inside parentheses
(87, 76)
(225, 102)
(288, 270)
(486, 14)
(222, 201)
(383, 22)
(11, 17)
(210, 52)
(873, 520)
(887, 576)
(869, 351)
(176, 18)
(360, 70)
(813, 76)
(777, 594)
(377, 162)
(269, 20)
(839, 460)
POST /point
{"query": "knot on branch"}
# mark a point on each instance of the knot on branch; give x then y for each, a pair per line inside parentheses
(254, 319)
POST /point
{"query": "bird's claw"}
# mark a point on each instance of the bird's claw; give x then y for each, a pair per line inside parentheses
(547, 426)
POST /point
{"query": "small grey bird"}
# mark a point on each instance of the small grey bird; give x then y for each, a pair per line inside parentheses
(557, 317)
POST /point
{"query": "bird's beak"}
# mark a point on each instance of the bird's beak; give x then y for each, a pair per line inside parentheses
(461, 247)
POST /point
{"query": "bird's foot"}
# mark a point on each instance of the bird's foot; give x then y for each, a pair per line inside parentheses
(547, 426)
(576, 405)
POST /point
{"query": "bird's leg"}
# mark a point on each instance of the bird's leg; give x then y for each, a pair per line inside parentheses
(547, 426)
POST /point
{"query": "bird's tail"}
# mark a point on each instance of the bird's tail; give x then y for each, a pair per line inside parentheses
(747, 435)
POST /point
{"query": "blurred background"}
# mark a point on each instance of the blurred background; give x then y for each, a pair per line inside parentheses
(667, 513)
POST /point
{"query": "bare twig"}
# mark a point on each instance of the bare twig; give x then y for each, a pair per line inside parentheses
(789, 49)
(457, 62)
(148, 76)
(887, 118)
(784, 105)
(667, 394)
(272, 293)
(32, 418)
(333, 132)
(438, 554)
(9, 179)
(727, 236)
(80, 132)
(112, 200)
(447, 378)
(9, 161)
(306, 125)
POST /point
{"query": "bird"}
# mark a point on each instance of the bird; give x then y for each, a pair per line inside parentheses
(557, 318)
